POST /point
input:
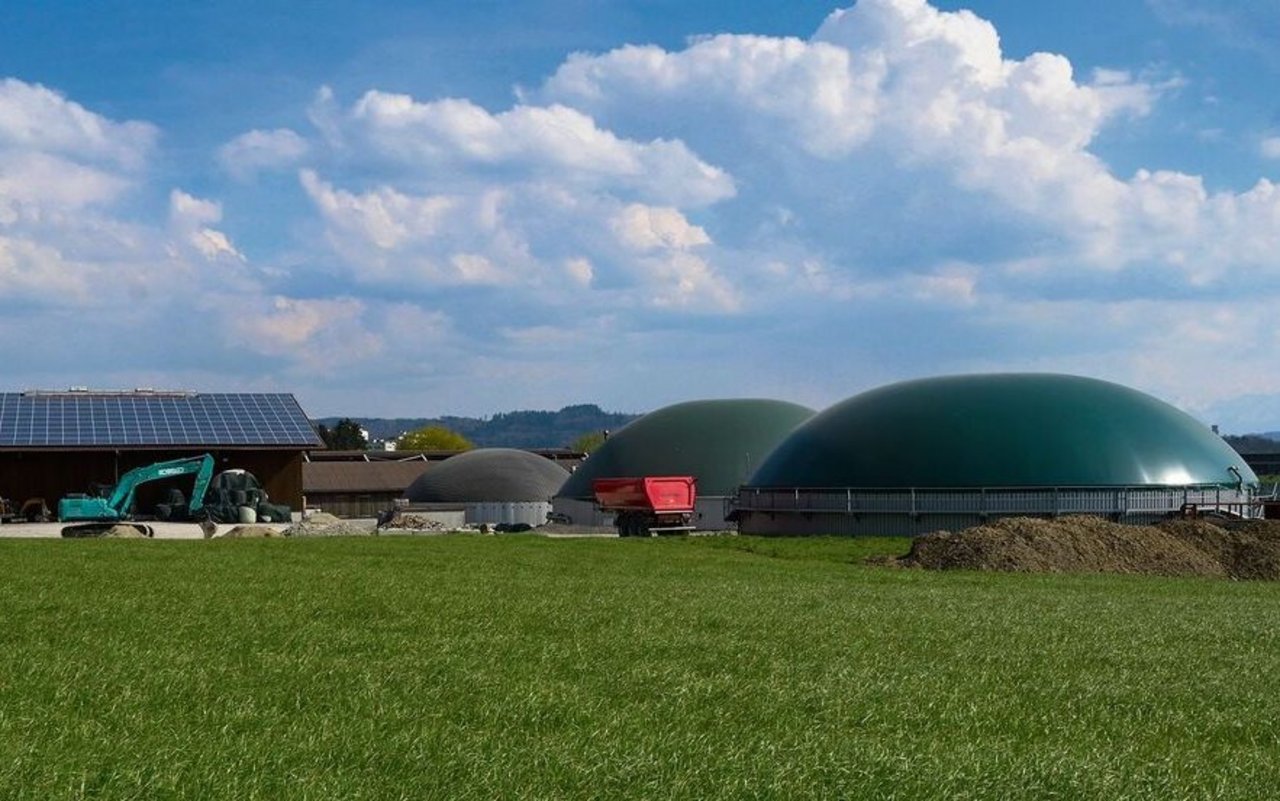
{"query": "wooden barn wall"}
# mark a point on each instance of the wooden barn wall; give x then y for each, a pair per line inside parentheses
(53, 474)
(353, 504)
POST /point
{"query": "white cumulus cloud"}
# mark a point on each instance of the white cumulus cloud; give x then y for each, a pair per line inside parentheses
(552, 143)
(319, 334)
(258, 151)
(530, 236)
(917, 120)
(192, 218)
(35, 118)
(648, 228)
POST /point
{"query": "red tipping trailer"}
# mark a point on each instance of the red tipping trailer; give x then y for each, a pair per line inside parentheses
(648, 505)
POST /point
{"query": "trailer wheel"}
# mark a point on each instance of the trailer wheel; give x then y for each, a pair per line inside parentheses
(631, 524)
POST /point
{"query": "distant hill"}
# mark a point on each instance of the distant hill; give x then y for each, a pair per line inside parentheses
(1255, 443)
(522, 429)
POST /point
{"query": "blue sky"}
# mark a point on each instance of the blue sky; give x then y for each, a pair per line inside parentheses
(439, 208)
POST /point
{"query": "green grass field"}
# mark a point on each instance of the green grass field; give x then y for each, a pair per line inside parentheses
(520, 667)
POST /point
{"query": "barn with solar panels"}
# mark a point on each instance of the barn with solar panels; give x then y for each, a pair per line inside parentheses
(53, 443)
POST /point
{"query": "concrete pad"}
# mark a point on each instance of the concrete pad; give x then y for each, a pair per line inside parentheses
(163, 530)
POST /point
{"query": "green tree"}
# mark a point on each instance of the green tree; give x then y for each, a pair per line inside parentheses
(588, 442)
(346, 435)
(433, 438)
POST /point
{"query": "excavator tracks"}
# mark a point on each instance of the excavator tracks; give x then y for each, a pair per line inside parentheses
(117, 529)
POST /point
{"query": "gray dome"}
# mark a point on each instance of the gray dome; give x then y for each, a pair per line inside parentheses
(489, 475)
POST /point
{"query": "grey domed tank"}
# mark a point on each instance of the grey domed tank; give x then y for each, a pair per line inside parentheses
(496, 485)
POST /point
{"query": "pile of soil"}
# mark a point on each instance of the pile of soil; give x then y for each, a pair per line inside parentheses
(322, 524)
(1247, 549)
(1082, 544)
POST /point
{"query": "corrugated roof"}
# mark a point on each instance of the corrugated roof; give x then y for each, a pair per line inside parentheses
(338, 477)
(145, 418)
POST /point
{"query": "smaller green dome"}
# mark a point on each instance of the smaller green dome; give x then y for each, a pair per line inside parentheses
(720, 442)
(1005, 430)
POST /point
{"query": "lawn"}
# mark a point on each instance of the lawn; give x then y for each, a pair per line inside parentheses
(520, 667)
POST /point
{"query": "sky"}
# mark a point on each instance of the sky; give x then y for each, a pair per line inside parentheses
(432, 208)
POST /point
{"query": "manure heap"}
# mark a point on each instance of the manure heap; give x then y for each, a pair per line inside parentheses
(1177, 547)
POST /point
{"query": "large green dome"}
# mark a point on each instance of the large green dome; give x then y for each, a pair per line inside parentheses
(720, 442)
(1008, 430)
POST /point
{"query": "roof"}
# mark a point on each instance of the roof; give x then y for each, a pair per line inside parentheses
(146, 418)
(719, 442)
(564, 457)
(1004, 430)
(489, 475)
(352, 477)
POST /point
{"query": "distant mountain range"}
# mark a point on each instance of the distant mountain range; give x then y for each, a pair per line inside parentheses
(522, 429)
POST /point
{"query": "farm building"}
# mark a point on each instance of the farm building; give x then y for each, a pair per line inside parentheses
(719, 442)
(951, 452)
(358, 488)
(1264, 464)
(493, 485)
(53, 443)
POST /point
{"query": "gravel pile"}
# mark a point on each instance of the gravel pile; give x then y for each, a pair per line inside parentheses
(123, 531)
(407, 522)
(251, 532)
(1240, 550)
(322, 524)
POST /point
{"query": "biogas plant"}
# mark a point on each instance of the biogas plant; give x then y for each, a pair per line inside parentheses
(919, 456)
(953, 452)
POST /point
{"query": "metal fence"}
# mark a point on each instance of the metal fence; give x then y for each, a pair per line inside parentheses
(847, 509)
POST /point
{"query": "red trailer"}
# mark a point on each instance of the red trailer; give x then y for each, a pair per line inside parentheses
(648, 505)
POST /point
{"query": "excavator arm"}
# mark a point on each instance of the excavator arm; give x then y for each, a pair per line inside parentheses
(119, 504)
(123, 496)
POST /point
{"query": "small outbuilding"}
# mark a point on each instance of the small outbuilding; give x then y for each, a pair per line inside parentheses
(353, 488)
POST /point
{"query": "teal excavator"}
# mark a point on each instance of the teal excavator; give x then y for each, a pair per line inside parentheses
(93, 516)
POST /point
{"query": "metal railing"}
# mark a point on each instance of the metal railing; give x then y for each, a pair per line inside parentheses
(1000, 502)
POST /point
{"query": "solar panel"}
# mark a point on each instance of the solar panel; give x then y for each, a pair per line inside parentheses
(124, 419)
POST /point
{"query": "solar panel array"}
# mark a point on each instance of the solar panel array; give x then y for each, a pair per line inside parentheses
(124, 419)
